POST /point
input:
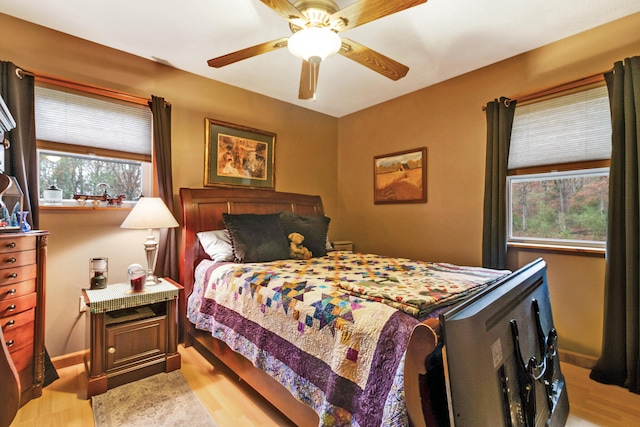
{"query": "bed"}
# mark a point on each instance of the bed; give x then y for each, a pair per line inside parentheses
(255, 317)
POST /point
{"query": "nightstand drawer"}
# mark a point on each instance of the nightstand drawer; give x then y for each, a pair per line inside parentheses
(19, 289)
(15, 274)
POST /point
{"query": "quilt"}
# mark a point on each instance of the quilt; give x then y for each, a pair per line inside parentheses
(318, 326)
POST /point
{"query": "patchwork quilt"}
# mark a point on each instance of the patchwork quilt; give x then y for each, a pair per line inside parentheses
(318, 326)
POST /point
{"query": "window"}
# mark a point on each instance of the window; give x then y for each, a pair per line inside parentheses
(80, 174)
(559, 206)
(558, 165)
(90, 144)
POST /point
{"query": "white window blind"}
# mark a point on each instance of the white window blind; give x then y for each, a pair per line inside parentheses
(68, 118)
(570, 128)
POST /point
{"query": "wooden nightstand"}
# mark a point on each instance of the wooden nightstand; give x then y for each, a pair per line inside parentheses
(132, 335)
(343, 245)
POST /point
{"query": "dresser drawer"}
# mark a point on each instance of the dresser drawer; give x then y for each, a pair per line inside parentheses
(19, 337)
(17, 259)
(26, 378)
(17, 305)
(17, 243)
(16, 320)
(23, 358)
(19, 289)
(23, 361)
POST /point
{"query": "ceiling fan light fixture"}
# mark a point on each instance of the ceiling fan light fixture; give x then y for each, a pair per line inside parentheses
(314, 42)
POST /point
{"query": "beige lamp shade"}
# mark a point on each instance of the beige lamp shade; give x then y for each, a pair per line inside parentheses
(149, 213)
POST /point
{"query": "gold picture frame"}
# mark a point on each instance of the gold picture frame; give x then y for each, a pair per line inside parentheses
(400, 177)
(237, 155)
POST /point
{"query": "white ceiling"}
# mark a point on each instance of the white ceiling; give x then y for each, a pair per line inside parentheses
(437, 40)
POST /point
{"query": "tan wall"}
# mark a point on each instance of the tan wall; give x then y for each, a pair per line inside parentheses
(447, 118)
(306, 156)
(318, 154)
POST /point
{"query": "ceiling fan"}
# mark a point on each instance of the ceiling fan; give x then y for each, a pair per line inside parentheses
(315, 25)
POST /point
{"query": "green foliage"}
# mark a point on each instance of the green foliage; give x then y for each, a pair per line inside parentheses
(572, 208)
(90, 175)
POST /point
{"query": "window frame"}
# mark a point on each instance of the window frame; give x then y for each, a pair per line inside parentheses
(551, 243)
(556, 245)
(69, 202)
(148, 179)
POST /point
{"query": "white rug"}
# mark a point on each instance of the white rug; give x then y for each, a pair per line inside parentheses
(160, 400)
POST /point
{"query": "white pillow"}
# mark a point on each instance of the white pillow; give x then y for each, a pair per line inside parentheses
(217, 244)
(328, 244)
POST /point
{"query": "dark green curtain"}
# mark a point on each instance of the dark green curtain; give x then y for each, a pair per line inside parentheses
(167, 258)
(21, 160)
(619, 361)
(494, 231)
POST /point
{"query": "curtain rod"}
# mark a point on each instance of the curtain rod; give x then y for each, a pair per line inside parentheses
(97, 90)
(584, 81)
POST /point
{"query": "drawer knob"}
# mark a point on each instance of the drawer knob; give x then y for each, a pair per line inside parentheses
(111, 350)
(12, 275)
(10, 323)
(9, 343)
(11, 260)
(11, 291)
(11, 245)
(11, 307)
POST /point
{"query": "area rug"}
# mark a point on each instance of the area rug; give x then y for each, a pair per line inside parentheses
(160, 400)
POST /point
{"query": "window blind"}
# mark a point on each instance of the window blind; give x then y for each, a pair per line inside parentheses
(68, 118)
(569, 128)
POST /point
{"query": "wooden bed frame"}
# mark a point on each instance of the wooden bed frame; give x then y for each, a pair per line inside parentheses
(202, 210)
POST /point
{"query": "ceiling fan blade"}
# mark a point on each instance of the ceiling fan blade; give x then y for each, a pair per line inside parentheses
(364, 11)
(285, 9)
(308, 80)
(249, 52)
(373, 60)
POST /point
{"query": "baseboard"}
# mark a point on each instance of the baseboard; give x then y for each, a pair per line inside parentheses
(577, 359)
(69, 359)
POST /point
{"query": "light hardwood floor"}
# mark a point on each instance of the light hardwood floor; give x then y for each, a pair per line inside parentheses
(232, 403)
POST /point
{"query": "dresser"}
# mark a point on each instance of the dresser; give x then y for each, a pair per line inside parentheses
(22, 306)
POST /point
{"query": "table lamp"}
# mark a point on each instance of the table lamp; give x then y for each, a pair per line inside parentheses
(150, 213)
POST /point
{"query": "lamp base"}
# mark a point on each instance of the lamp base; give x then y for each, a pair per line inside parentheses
(151, 280)
(150, 247)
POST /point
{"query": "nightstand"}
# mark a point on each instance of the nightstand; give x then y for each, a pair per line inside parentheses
(132, 335)
(343, 245)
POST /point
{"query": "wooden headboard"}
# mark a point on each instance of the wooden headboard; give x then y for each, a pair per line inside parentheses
(202, 210)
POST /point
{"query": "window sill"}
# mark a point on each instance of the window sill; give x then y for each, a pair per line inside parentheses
(84, 208)
(575, 250)
(70, 204)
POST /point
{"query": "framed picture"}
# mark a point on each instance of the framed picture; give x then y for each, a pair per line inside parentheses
(239, 155)
(400, 177)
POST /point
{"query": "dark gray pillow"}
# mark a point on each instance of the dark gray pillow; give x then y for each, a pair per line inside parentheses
(314, 228)
(256, 238)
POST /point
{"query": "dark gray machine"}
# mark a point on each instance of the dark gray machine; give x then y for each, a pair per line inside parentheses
(500, 356)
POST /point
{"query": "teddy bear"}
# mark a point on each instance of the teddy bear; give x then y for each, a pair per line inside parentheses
(296, 250)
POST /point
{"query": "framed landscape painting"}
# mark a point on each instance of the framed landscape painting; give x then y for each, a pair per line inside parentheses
(400, 177)
(239, 155)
